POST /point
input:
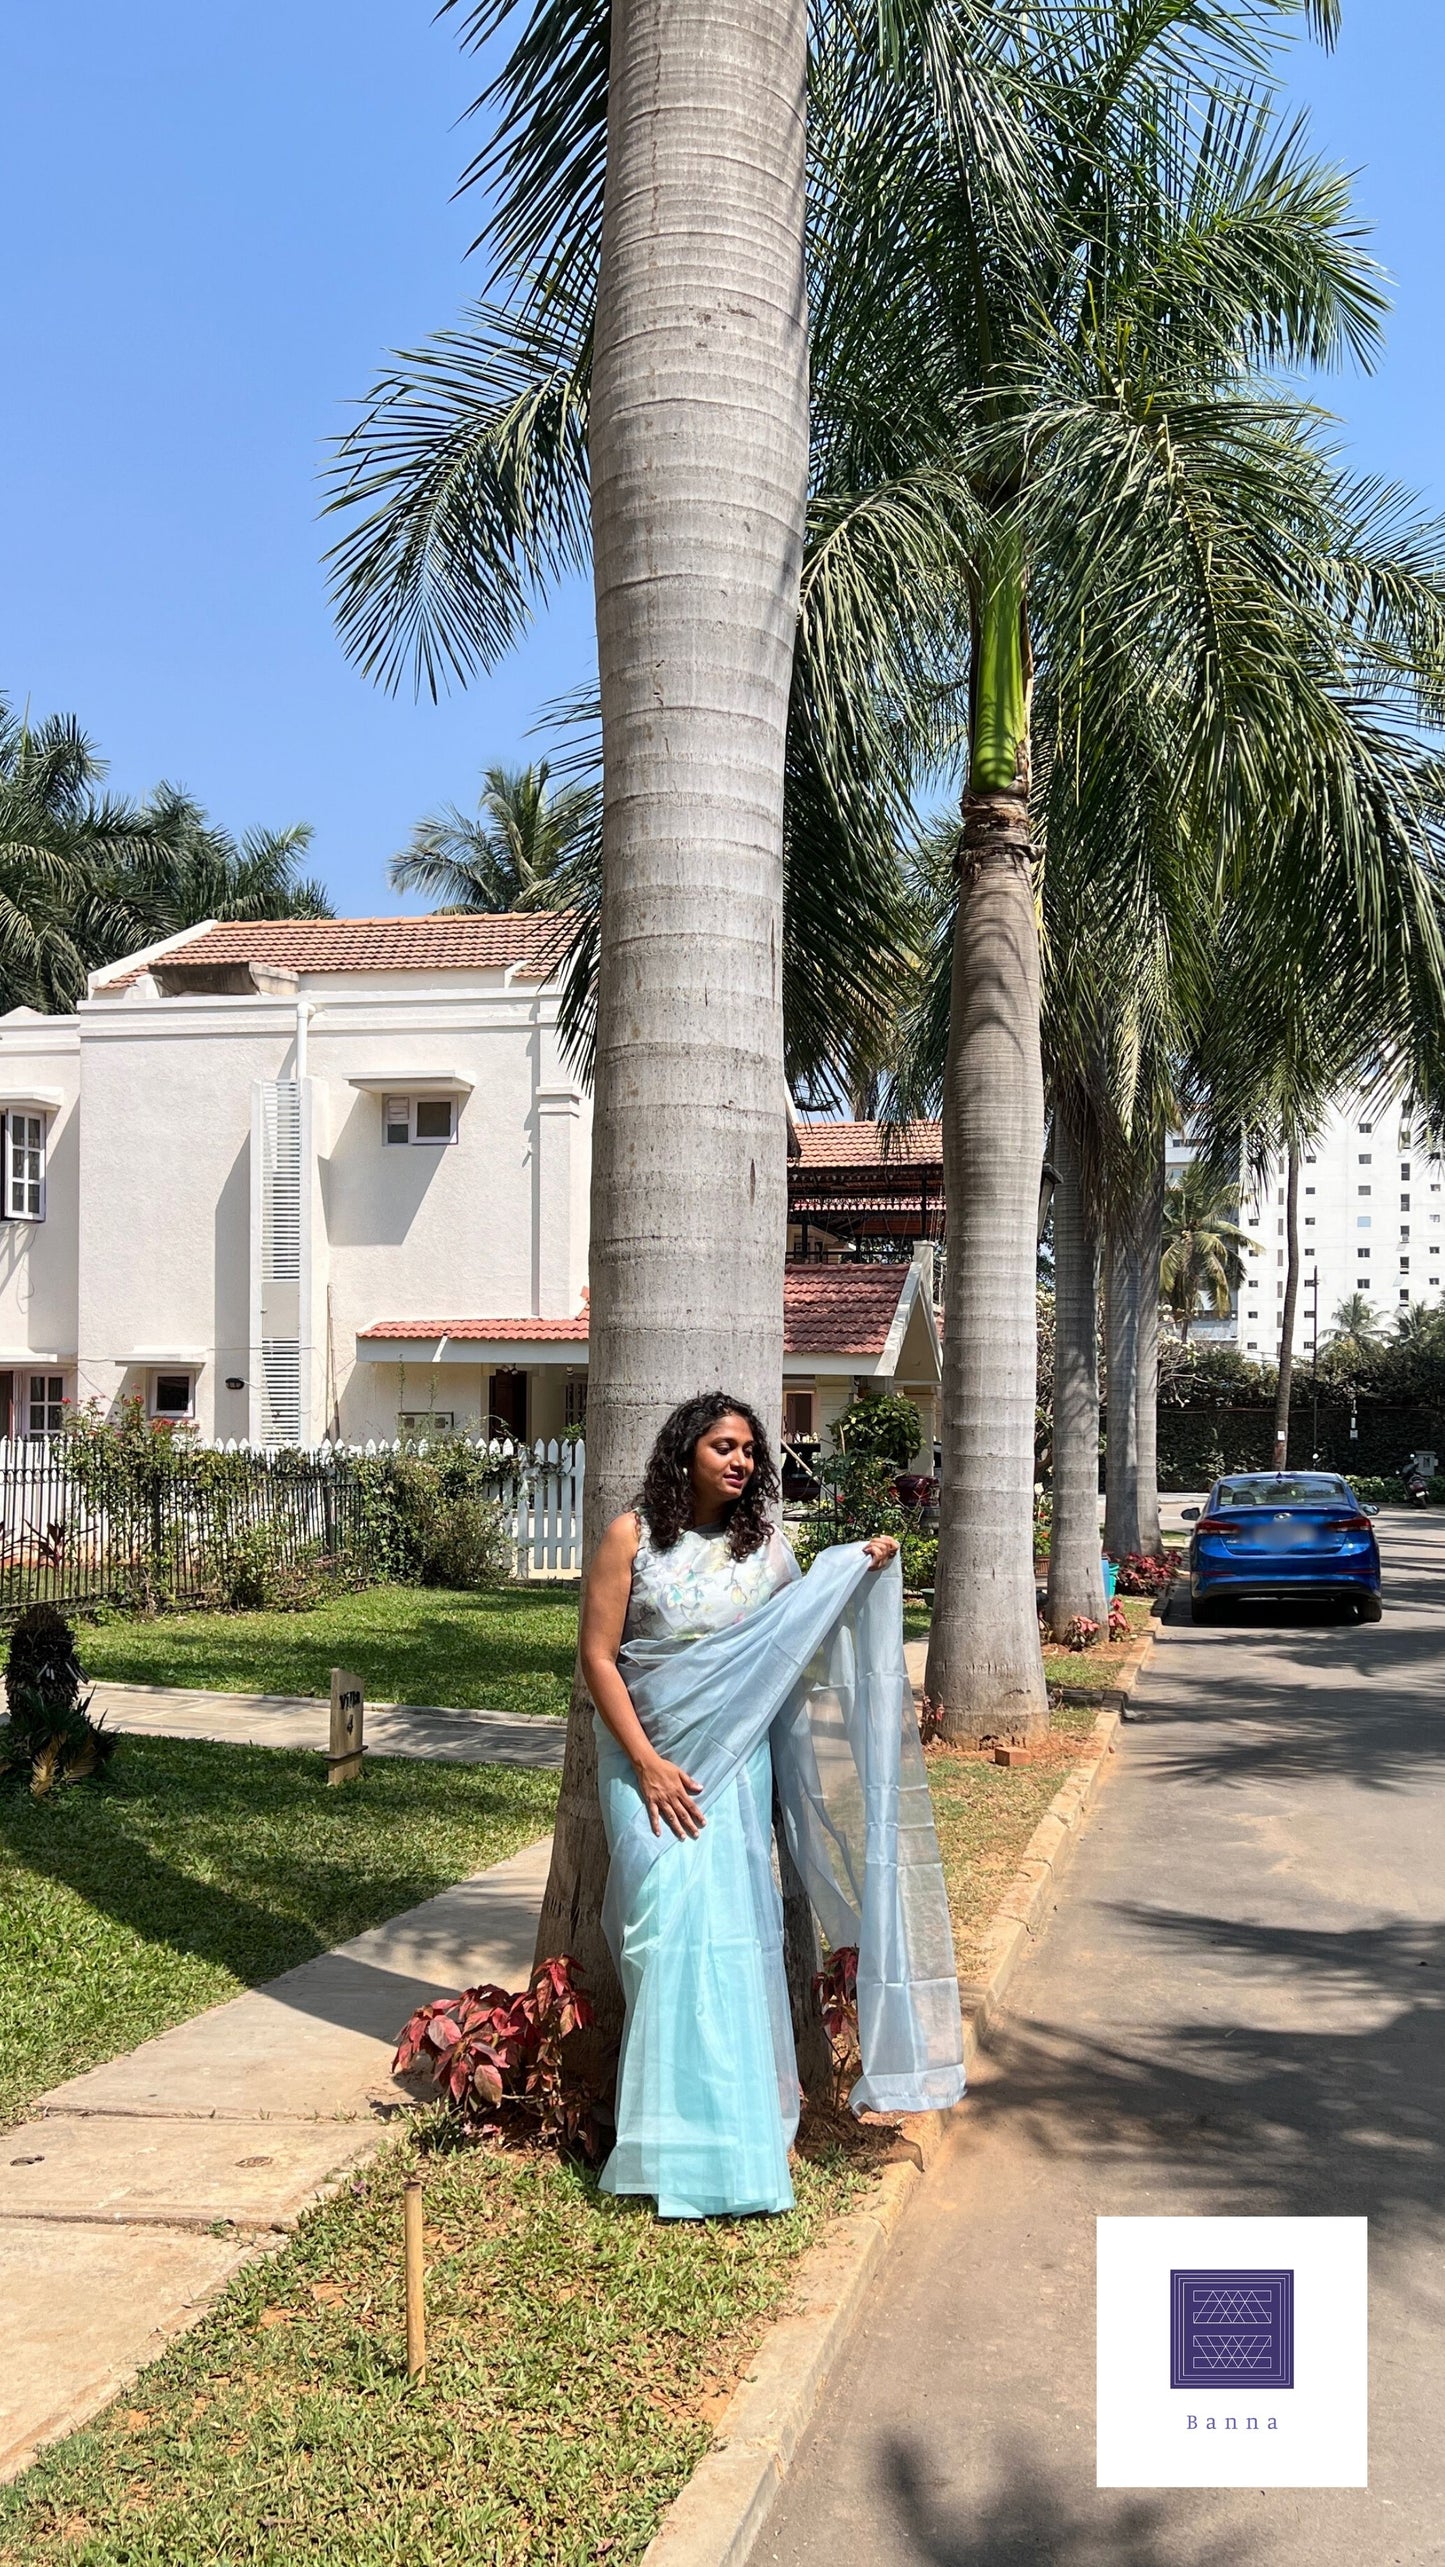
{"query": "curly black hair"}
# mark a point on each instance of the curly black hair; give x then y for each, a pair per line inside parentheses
(665, 1499)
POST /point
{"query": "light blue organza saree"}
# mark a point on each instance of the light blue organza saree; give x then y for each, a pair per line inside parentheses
(742, 1679)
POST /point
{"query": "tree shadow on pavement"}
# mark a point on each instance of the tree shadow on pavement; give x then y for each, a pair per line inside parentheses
(1026, 2520)
(1339, 2111)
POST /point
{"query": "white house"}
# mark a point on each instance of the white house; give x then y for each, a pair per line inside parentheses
(330, 1177)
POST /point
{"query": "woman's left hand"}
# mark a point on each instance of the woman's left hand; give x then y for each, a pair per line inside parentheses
(881, 1550)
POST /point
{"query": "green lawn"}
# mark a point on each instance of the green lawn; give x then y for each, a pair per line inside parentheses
(509, 1649)
(578, 2351)
(192, 1871)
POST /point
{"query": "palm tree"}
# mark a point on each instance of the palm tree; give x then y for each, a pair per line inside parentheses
(62, 840)
(1204, 1246)
(518, 850)
(191, 868)
(1356, 1332)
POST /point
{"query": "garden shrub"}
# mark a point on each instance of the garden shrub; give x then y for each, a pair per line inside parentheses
(496, 2058)
(51, 1734)
(888, 1428)
(446, 1532)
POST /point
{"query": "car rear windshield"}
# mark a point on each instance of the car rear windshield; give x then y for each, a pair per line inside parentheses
(1301, 1488)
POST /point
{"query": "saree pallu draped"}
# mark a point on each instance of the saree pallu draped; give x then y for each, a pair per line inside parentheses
(809, 1691)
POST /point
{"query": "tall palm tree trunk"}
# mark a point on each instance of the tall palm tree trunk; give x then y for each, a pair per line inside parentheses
(1076, 1582)
(699, 443)
(1287, 1312)
(1121, 1359)
(1150, 1252)
(985, 1665)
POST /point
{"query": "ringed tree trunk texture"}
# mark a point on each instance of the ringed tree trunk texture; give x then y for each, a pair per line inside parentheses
(1076, 1579)
(699, 456)
(1121, 1363)
(985, 1664)
(1287, 1312)
(1146, 1375)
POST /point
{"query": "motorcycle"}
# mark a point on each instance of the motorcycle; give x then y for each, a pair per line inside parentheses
(1417, 1487)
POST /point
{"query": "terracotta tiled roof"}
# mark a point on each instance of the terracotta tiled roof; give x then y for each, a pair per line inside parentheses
(486, 1332)
(841, 1310)
(480, 941)
(859, 1145)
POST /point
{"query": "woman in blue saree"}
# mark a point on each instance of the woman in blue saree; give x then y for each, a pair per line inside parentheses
(719, 1672)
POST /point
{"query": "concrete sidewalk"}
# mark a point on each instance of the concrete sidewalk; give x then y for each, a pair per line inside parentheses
(137, 2189)
(302, 1720)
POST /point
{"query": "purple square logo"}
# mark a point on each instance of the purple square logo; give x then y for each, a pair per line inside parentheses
(1231, 2327)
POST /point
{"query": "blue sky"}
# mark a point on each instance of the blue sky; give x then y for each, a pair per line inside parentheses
(220, 219)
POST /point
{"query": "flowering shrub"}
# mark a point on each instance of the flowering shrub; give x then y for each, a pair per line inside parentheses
(836, 1989)
(491, 2053)
(1145, 1573)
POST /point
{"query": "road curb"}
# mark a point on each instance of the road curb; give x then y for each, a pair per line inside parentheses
(720, 2514)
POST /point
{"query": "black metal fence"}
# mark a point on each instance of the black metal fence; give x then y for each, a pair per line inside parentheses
(81, 1524)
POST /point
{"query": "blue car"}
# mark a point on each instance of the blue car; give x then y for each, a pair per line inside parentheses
(1283, 1533)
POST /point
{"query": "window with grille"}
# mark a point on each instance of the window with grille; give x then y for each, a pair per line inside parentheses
(45, 1405)
(424, 1119)
(172, 1396)
(25, 1166)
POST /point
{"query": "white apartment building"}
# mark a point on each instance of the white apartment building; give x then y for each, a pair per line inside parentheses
(1370, 1215)
(310, 1178)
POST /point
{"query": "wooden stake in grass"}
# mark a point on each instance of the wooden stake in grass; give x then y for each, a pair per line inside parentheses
(411, 2220)
(348, 1708)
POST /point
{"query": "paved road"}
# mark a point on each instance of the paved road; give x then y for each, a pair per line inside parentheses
(1237, 2009)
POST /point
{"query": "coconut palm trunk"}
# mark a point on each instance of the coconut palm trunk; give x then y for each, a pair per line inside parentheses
(699, 443)
(1076, 1583)
(1121, 1362)
(1287, 1311)
(985, 1665)
(1149, 1251)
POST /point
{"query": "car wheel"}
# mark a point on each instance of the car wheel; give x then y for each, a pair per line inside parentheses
(1369, 1609)
(1201, 1609)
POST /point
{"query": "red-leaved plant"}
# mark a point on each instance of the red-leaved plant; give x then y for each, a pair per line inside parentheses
(1118, 1620)
(1145, 1572)
(492, 2052)
(930, 1720)
(836, 1990)
(1081, 1632)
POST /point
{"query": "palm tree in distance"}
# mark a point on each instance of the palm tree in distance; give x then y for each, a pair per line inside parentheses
(1204, 1246)
(1356, 1331)
(191, 868)
(518, 849)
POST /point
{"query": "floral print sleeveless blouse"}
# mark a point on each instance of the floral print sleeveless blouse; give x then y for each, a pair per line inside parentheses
(698, 1586)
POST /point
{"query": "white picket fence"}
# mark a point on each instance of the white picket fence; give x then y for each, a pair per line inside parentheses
(43, 1513)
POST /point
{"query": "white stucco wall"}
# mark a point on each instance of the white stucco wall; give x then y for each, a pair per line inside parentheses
(145, 1258)
(40, 1055)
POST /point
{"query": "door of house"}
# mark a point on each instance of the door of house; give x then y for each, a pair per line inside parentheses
(509, 1405)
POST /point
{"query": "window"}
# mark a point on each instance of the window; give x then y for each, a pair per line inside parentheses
(1362, 1221)
(1365, 1189)
(1279, 1226)
(45, 1404)
(1404, 1231)
(798, 1415)
(1405, 1295)
(420, 1118)
(574, 1405)
(25, 1166)
(1309, 1189)
(172, 1396)
(1367, 1127)
(1251, 1345)
(1309, 1221)
(1366, 1158)
(1404, 1203)
(1404, 1265)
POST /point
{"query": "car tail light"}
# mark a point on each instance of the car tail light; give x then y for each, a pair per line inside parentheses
(1214, 1524)
(1347, 1524)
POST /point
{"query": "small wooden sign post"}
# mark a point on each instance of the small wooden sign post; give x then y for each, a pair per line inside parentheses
(348, 1706)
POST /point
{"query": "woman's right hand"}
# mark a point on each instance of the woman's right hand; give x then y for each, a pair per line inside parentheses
(670, 1794)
